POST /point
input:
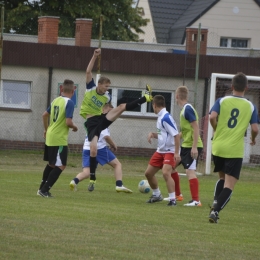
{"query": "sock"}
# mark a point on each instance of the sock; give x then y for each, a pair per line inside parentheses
(45, 174)
(132, 105)
(176, 178)
(156, 192)
(93, 164)
(76, 180)
(119, 183)
(53, 177)
(172, 196)
(194, 189)
(223, 199)
(218, 188)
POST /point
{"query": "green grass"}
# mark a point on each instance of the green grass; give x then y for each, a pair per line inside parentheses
(109, 225)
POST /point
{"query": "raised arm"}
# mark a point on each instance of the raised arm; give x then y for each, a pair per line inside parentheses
(96, 53)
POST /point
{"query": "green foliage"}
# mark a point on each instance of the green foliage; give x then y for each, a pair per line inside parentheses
(121, 21)
(104, 224)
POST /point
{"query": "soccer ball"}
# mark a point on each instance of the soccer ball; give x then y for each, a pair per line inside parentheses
(144, 186)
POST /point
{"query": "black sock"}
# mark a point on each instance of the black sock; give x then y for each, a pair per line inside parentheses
(76, 180)
(223, 199)
(119, 183)
(53, 177)
(218, 188)
(45, 174)
(132, 105)
(92, 165)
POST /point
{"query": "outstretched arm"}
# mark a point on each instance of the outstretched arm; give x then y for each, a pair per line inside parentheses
(96, 53)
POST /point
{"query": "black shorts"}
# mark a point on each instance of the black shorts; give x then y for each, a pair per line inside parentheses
(186, 159)
(230, 166)
(56, 155)
(95, 125)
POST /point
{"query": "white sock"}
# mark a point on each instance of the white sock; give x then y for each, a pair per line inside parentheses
(156, 192)
(172, 196)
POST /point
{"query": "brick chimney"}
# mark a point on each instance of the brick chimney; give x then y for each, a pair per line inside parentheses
(191, 40)
(83, 32)
(48, 28)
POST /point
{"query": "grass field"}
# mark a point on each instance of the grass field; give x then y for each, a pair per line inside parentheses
(109, 225)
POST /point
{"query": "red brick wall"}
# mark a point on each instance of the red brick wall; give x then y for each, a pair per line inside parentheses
(48, 29)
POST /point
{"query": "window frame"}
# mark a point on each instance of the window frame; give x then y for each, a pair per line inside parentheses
(16, 106)
(143, 112)
(229, 42)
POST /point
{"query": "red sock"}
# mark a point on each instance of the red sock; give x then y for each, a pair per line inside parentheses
(176, 178)
(194, 189)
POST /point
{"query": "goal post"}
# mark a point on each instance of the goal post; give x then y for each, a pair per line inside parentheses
(213, 85)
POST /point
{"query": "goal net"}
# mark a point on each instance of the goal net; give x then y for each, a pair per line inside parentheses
(220, 87)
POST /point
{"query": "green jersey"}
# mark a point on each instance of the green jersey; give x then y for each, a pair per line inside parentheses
(93, 102)
(234, 115)
(188, 115)
(57, 132)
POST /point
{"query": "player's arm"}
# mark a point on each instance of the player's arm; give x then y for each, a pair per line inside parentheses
(194, 149)
(110, 142)
(96, 53)
(177, 143)
(69, 114)
(45, 119)
(213, 119)
(150, 136)
(254, 133)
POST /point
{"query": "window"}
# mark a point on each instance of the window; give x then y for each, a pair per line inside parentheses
(15, 94)
(120, 96)
(234, 43)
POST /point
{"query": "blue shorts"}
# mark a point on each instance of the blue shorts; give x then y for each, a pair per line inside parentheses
(104, 156)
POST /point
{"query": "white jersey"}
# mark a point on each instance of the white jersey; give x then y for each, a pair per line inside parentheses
(101, 141)
(166, 130)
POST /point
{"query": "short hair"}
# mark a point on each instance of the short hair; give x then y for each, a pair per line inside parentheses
(159, 100)
(182, 92)
(104, 80)
(67, 86)
(239, 82)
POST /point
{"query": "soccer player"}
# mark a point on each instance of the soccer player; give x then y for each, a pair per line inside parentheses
(191, 146)
(91, 109)
(167, 153)
(56, 132)
(229, 118)
(104, 156)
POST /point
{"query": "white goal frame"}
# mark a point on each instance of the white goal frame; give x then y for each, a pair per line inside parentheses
(212, 100)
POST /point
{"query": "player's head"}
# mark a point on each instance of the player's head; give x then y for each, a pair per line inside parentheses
(182, 93)
(68, 87)
(158, 103)
(239, 82)
(103, 84)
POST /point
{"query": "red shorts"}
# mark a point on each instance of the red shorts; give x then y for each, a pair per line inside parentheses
(159, 159)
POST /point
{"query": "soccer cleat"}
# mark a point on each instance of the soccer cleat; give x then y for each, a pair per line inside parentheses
(91, 185)
(172, 203)
(178, 198)
(212, 206)
(154, 199)
(193, 203)
(213, 217)
(148, 93)
(73, 186)
(46, 194)
(123, 189)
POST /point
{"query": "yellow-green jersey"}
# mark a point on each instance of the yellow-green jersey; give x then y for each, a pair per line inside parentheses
(57, 132)
(93, 102)
(234, 115)
(187, 116)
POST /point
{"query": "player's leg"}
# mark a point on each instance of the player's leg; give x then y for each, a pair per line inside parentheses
(93, 162)
(218, 187)
(176, 178)
(232, 170)
(80, 177)
(59, 162)
(155, 164)
(47, 169)
(115, 163)
(114, 113)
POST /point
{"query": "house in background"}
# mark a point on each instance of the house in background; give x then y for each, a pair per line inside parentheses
(229, 23)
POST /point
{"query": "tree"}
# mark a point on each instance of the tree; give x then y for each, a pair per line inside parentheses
(121, 22)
